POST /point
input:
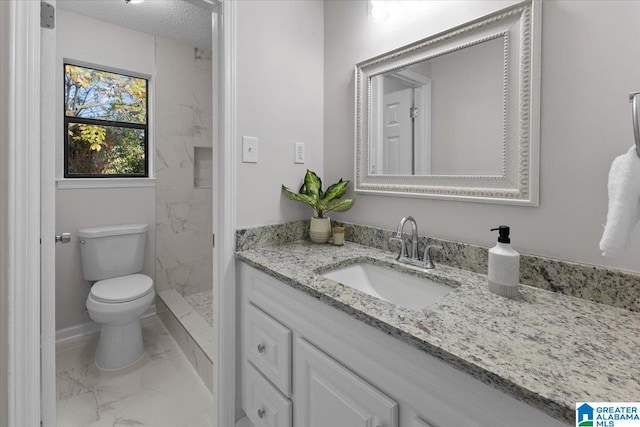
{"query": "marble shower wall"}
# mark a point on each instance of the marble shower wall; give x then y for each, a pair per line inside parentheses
(184, 127)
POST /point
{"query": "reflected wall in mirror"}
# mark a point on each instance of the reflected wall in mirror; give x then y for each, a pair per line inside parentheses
(456, 115)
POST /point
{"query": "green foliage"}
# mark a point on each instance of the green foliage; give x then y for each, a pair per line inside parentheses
(100, 95)
(311, 193)
(105, 150)
(96, 94)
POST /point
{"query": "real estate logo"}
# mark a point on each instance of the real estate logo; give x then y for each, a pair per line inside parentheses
(608, 414)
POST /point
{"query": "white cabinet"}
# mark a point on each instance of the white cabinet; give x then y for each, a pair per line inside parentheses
(329, 395)
(268, 347)
(266, 369)
(263, 404)
(341, 372)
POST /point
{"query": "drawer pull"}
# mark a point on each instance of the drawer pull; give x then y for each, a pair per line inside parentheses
(261, 348)
(261, 413)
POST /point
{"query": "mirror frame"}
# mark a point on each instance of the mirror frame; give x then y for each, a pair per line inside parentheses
(518, 184)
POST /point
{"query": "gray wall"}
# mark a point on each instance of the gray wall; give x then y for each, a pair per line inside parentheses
(279, 71)
(467, 108)
(97, 42)
(588, 69)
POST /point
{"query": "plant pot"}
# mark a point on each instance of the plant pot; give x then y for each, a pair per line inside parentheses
(320, 230)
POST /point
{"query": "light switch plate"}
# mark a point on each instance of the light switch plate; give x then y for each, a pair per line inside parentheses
(249, 149)
(298, 154)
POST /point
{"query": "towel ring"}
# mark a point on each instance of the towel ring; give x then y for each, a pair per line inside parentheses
(633, 99)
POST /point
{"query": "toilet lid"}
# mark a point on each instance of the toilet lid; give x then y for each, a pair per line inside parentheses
(122, 289)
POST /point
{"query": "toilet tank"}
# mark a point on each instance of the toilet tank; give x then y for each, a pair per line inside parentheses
(112, 251)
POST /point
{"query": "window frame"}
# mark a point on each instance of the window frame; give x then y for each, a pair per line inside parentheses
(108, 123)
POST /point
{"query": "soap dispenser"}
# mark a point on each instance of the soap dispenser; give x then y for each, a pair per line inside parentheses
(504, 265)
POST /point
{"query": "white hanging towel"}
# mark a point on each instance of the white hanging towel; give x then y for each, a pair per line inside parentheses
(624, 203)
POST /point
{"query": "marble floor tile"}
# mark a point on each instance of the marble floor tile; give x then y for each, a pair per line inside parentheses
(160, 390)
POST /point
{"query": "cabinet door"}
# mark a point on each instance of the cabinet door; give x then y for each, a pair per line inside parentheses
(262, 402)
(268, 347)
(329, 395)
(420, 423)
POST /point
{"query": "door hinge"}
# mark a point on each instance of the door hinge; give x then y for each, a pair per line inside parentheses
(47, 15)
(413, 112)
(214, 240)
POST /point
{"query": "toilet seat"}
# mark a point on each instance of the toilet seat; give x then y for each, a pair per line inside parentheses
(122, 289)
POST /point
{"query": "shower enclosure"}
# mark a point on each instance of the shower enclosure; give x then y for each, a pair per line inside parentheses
(184, 208)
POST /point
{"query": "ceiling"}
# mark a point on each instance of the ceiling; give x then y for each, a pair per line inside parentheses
(174, 19)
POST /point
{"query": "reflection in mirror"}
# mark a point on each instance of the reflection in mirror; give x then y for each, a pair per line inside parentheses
(400, 114)
(454, 116)
(417, 112)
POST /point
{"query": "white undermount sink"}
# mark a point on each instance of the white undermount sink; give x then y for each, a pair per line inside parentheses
(390, 285)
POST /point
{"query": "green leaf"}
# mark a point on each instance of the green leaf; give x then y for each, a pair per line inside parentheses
(308, 199)
(312, 185)
(339, 205)
(335, 191)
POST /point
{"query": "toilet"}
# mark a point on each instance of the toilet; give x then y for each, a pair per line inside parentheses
(112, 257)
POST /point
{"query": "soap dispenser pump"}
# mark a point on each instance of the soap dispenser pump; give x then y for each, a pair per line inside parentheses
(504, 265)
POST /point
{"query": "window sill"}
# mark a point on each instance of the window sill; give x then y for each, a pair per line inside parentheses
(77, 183)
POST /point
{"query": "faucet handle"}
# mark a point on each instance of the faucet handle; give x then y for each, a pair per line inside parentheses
(403, 246)
(428, 262)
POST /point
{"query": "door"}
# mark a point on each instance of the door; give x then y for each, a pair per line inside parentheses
(398, 133)
(47, 224)
(330, 395)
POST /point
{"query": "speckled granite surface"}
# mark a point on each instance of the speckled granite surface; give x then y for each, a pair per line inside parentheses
(606, 286)
(547, 349)
(269, 235)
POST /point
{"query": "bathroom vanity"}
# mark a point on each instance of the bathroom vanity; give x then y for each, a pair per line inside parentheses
(316, 352)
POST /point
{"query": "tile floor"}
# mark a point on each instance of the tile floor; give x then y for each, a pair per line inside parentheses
(161, 390)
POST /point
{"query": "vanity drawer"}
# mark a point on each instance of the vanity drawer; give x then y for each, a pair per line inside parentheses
(268, 347)
(263, 403)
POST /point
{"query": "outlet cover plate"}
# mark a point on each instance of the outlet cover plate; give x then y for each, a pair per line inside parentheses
(298, 153)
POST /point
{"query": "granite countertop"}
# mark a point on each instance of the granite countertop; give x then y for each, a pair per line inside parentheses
(547, 349)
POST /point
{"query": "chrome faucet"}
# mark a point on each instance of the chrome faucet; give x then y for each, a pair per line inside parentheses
(427, 261)
(414, 259)
(414, 237)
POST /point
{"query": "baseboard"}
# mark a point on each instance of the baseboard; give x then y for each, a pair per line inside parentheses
(90, 327)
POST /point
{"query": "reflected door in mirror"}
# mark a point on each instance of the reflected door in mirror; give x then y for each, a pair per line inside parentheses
(401, 136)
(442, 116)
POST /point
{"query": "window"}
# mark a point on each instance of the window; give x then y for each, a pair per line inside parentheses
(105, 123)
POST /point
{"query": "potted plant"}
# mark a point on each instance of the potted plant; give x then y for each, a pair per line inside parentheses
(322, 202)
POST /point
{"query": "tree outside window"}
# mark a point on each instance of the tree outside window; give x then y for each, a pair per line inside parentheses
(106, 124)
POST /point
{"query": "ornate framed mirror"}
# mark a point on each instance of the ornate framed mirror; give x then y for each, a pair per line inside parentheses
(454, 116)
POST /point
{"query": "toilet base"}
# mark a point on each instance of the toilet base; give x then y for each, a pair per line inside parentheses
(119, 346)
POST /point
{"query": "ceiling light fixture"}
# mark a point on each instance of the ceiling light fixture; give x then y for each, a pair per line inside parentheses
(381, 10)
(377, 10)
